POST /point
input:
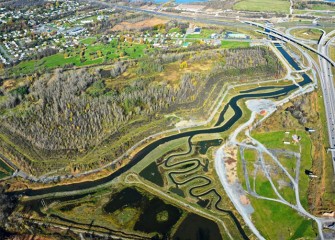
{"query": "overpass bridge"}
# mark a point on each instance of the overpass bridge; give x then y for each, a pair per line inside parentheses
(271, 30)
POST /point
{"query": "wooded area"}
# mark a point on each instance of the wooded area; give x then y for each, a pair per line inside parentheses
(75, 110)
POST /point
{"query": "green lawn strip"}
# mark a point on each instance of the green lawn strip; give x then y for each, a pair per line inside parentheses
(280, 6)
(277, 221)
(234, 44)
(289, 162)
(274, 140)
(240, 173)
(329, 184)
(3, 175)
(263, 186)
(322, 7)
(250, 155)
(205, 137)
(94, 18)
(205, 33)
(5, 168)
(176, 30)
(89, 40)
(306, 163)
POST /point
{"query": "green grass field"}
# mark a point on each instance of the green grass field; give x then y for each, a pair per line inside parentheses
(89, 40)
(274, 140)
(277, 221)
(321, 7)
(280, 6)
(205, 33)
(307, 33)
(234, 44)
(109, 51)
(177, 30)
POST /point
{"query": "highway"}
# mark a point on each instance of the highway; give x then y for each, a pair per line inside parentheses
(306, 41)
(325, 73)
(225, 21)
(289, 38)
(327, 85)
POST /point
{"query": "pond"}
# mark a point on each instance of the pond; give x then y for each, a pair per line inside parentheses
(197, 227)
(158, 216)
(129, 197)
(152, 174)
(204, 145)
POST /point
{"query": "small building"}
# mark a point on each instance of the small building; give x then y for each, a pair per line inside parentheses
(310, 130)
(214, 35)
(296, 138)
(75, 31)
(186, 44)
(197, 30)
(236, 35)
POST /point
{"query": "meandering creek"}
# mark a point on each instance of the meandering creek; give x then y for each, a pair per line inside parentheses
(220, 126)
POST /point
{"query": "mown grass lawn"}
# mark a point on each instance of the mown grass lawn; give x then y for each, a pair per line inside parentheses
(89, 40)
(278, 221)
(280, 6)
(234, 44)
(205, 33)
(108, 51)
(176, 30)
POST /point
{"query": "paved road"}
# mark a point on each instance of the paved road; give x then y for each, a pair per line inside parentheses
(327, 85)
(199, 18)
(289, 38)
(326, 77)
(306, 41)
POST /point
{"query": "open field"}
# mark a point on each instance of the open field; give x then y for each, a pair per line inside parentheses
(308, 33)
(232, 44)
(317, 6)
(205, 33)
(83, 56)
(285, 222)
(126, 26)
(274, 140)
(273, 213)
(280, 6)
(318, 193)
